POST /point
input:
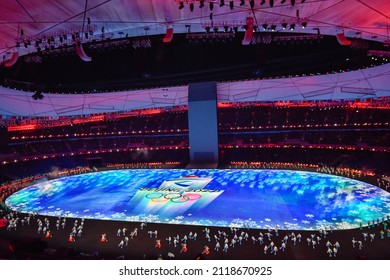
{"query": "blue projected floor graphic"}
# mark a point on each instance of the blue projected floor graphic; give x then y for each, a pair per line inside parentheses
(212, 197)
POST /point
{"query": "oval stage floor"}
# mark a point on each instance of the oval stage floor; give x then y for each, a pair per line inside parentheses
(212, 197)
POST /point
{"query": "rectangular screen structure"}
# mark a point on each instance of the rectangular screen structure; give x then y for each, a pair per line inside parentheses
(202, 123)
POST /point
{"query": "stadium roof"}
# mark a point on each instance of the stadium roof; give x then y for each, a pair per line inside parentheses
(23, 19)
(30, 21)
(361, 84)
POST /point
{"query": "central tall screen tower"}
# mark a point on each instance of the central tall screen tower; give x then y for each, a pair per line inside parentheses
(203, 125)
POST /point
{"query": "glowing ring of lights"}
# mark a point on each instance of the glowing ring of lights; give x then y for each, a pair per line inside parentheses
(178, 199)
(155, 196)
(193, 196)
(187, 197)
(172, 197)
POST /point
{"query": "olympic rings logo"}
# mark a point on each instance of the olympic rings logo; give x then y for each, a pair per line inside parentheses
(173, 197)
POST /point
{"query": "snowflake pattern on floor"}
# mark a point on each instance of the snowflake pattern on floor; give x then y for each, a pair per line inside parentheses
(213, 197)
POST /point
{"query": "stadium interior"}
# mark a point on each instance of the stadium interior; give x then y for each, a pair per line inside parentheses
(93, 86)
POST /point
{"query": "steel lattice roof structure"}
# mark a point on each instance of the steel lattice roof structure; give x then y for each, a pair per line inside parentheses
(23, 20)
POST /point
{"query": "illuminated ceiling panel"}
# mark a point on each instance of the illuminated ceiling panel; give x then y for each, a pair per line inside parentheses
(368, 83)
(366, 19)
